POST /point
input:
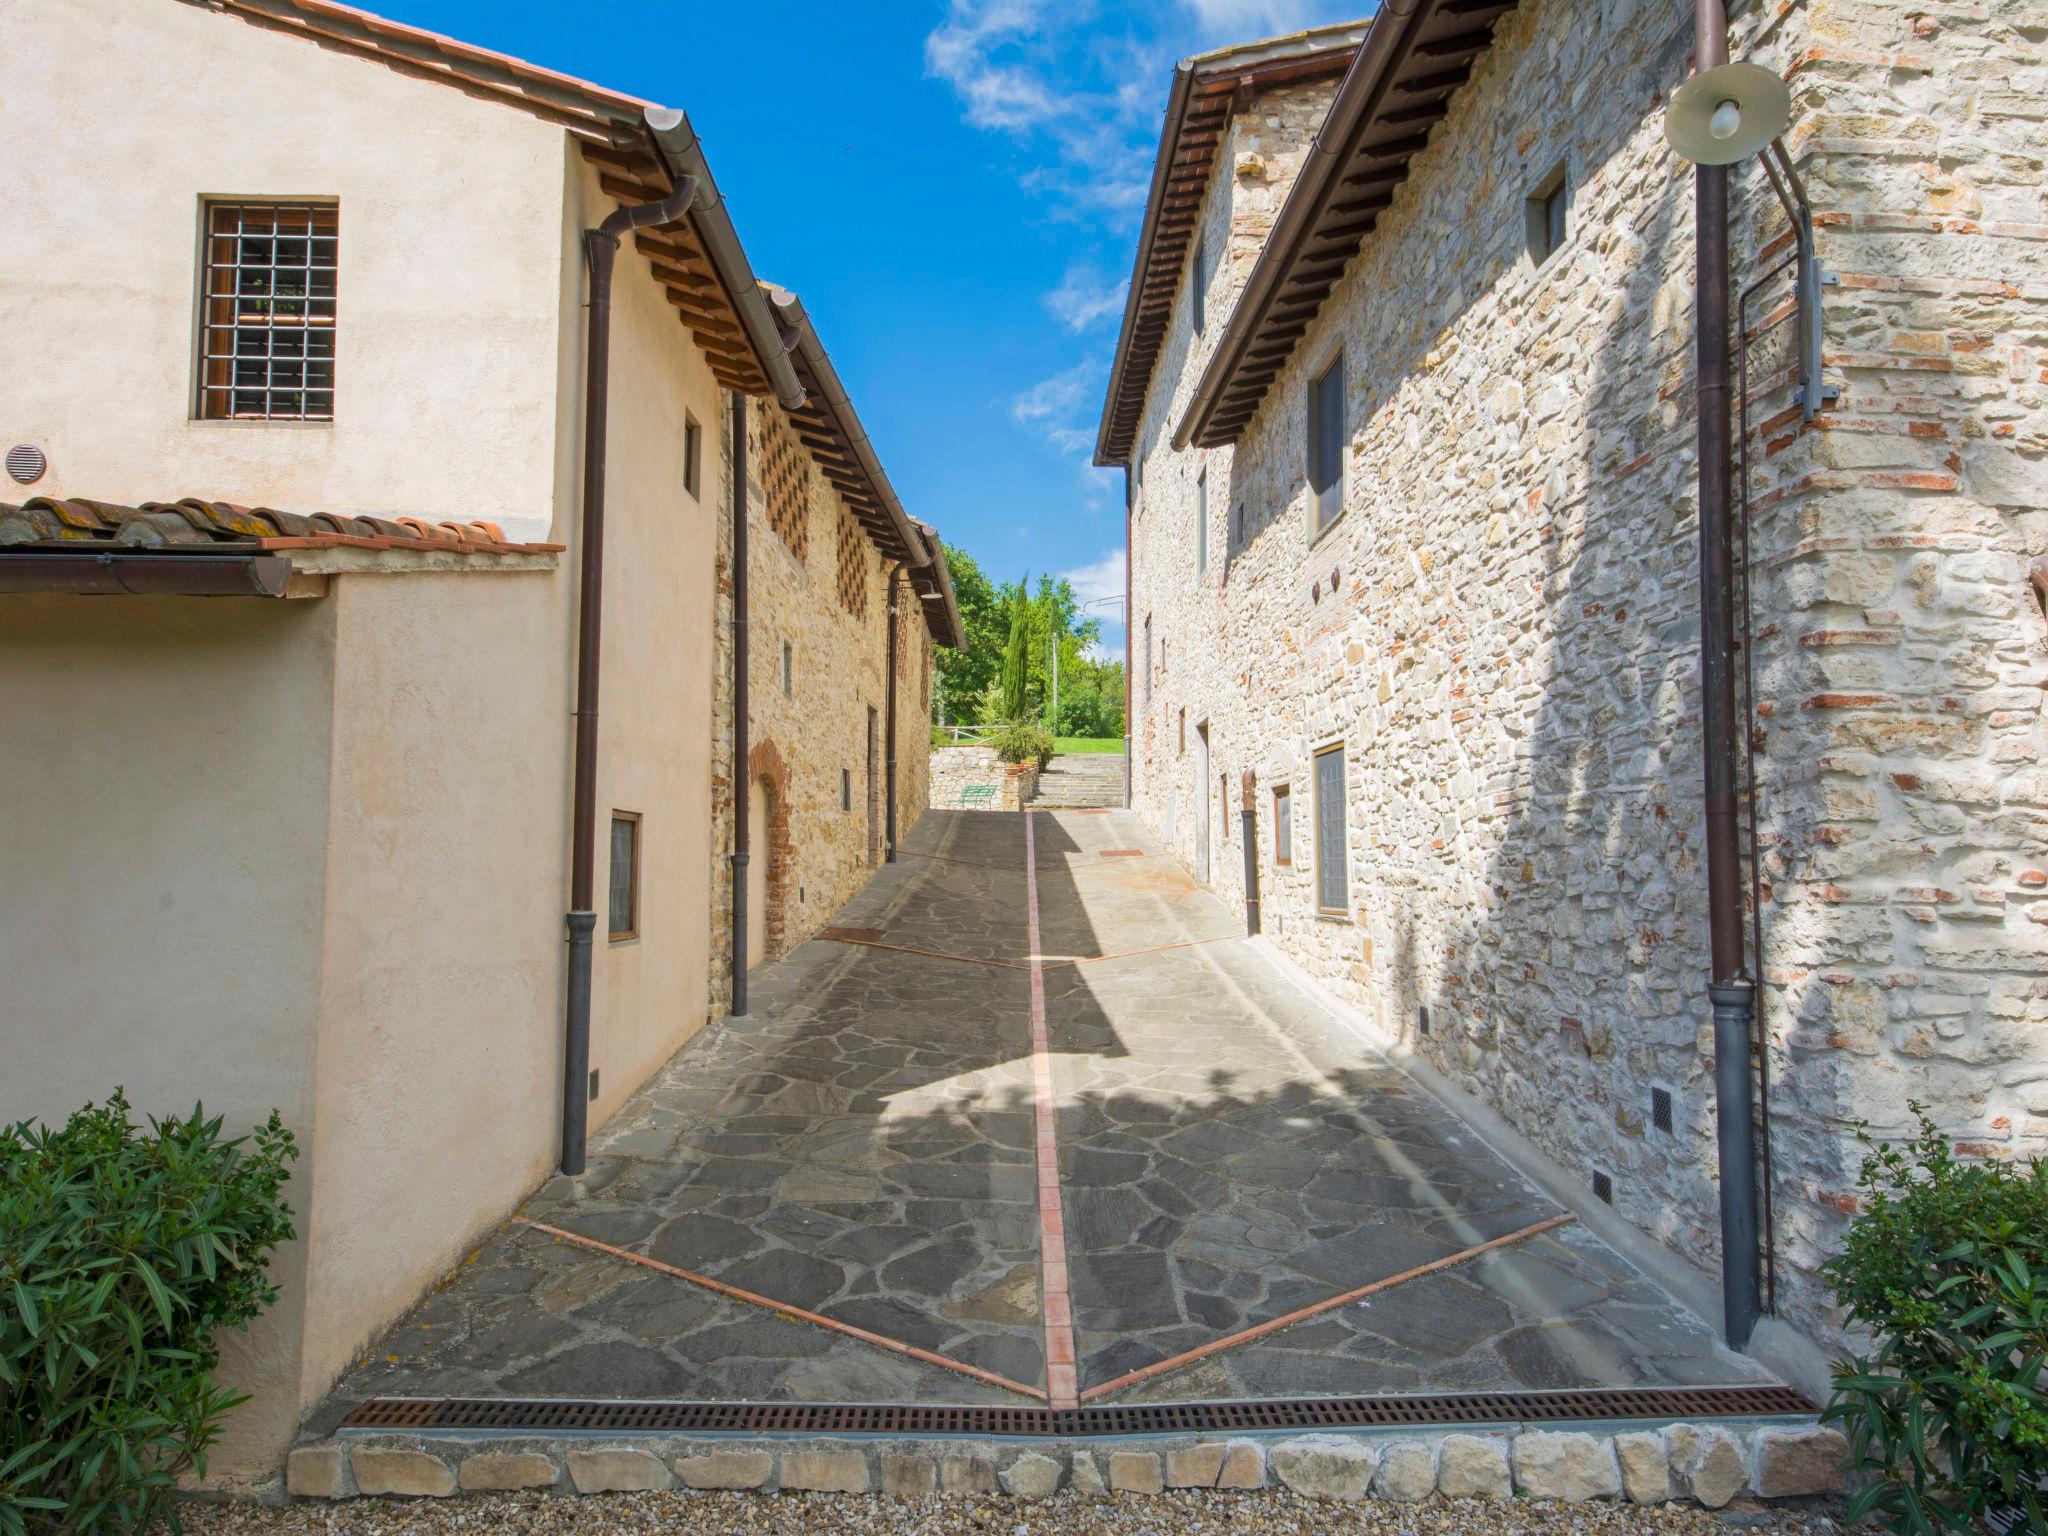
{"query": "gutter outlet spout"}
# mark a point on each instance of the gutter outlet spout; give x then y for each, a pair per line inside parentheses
(600, 250)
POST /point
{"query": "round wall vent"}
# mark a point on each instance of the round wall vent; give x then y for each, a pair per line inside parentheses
(25, 462)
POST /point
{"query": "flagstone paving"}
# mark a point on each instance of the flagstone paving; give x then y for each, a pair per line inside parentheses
(862, 1147)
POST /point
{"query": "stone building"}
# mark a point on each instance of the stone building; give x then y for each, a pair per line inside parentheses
(1413, 544)
(849, 596)
(299, 416)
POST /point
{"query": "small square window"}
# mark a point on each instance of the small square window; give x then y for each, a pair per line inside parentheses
(1549, 215)
(625, 883)
(693, 452)
(1283, 826)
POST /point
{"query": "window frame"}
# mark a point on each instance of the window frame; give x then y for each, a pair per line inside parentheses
(693, 454)
(1318, 440)
(1283, 826)
(204, 329)
(1550, 202)
(1343, 830)
(631, 932)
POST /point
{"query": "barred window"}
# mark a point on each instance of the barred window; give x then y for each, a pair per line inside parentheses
(1332, 877)
(267, 338)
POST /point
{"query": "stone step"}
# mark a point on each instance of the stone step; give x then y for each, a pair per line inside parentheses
(1709, 1462)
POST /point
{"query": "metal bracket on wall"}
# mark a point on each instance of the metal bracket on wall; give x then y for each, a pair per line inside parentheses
(1810, 279)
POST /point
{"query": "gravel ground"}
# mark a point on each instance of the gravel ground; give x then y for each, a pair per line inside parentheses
(1271, 1513)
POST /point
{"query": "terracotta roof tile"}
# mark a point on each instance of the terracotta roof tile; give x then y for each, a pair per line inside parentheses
(195, 522)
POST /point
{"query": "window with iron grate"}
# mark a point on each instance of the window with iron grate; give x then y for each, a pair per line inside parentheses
(786, 477)
(853, 575)
(267, 298)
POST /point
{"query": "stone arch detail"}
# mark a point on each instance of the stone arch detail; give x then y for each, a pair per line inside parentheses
(765, 766)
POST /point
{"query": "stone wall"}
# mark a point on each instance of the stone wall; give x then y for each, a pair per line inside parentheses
(955, 770)
(1501, 628)
(818, 585)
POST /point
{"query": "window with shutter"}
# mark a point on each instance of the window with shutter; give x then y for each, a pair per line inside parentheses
(1332, 881)
(1326, 444)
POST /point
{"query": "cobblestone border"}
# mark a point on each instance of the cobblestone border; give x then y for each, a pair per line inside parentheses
(1707, 1463)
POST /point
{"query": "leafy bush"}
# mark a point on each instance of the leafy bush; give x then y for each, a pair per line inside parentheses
(121, 1252)
(1022, 741)
(1945, 1268)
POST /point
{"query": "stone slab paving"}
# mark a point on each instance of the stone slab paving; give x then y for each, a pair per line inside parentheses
(861, 1146)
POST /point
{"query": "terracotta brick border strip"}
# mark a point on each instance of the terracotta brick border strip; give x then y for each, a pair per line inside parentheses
(1315, 1309)
(861, 938)
(768, 1303)
(1062, 1372)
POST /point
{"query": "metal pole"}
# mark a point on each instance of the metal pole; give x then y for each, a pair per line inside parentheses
(889, 853)
(742, 774)
(1731, 991)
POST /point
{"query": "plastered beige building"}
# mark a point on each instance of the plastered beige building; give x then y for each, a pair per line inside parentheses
(302, 837)
(1487, 629)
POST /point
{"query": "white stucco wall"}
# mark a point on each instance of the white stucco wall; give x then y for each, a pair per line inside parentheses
(450, 265)
(161, 869)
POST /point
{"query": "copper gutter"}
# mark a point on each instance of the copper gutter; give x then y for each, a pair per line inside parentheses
(1731, 991)
(889, 745)
(129, 572)
(742, 770)
(1358, 96)
(683, 151)
(600, 250)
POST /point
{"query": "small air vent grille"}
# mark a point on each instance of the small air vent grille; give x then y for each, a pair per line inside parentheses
(26, 463)
(1603, 1186)
(1660, 1109)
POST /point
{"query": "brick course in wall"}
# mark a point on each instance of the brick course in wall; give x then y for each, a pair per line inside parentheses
(817, 583)
(1501, 628)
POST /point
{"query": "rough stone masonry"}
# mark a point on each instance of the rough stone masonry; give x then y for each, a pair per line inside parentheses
(1501, 627)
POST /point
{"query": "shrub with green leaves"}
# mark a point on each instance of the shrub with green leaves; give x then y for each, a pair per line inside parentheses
(1023, 741)
(122, 1251)
(1945, 1268)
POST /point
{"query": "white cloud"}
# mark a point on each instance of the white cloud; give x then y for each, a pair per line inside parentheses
(1246, 20)
(1099, 579)
(1085, 297)
(1055, 401)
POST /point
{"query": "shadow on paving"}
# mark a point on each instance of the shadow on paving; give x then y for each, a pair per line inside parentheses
(861, 1146)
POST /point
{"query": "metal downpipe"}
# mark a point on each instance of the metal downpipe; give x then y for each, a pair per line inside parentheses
(600, 251)
(742, 773)
(889, 849)
(1731, 992)
(1249, 818)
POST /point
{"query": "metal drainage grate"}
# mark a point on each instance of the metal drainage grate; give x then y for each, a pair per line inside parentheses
(531, 1416)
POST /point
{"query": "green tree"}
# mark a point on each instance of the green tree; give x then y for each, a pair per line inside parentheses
(1017, 656)
(965, 675)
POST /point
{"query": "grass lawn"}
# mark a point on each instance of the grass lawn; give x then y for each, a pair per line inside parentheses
(1088, 743)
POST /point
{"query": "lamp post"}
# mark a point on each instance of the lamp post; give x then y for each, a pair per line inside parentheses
(1124, 622)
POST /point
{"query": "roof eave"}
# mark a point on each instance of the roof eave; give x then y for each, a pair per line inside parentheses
(1134, 295)
(1385, 43)
(683, 153)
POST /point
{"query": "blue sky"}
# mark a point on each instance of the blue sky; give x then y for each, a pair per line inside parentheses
(954, 187)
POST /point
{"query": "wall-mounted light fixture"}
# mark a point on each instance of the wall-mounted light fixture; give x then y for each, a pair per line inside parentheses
(1724, 115)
